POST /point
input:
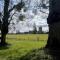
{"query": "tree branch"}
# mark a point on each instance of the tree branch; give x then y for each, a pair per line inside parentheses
(18, 6)
(11, 18)
(12, 8)
(43, 12)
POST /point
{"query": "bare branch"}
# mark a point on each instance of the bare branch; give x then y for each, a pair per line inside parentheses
(18, 6)
(12, 8)
(43, 12)
(11, 18)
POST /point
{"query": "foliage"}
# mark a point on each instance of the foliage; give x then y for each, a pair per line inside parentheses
(20, 5)
(35, 29)
(21, 17)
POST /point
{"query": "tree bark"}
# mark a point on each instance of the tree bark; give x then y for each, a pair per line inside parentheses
(54, 25)
(3, 39)
(54, 36)
(4, 28)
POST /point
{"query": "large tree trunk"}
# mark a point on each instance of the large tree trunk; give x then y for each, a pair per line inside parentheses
(4, 28)
(54, 36)
(54, 24)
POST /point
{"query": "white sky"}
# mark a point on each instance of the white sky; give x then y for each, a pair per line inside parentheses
(40, 19)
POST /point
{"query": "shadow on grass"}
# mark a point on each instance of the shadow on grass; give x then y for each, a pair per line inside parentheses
(42, 54)
(39, 54)
(55, 54)
(4, 46)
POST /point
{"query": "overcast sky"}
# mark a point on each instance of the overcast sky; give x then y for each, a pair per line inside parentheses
(40, 19)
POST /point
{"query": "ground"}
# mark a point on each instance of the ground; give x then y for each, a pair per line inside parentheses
(25, 47)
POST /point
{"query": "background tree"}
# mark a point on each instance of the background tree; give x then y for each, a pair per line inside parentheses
(5, 19)
(54, 24)
(34, 29)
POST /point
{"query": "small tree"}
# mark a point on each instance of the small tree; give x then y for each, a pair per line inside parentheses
(5, 19)
(34, 29)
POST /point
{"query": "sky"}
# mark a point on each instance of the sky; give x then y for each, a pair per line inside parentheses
(40, 19)
(1, 5)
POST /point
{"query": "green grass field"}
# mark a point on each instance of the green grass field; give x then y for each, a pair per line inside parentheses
(20, 45)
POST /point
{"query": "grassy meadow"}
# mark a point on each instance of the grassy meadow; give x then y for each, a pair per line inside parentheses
(19, 45)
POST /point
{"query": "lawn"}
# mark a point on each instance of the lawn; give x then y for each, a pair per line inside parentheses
(21, 44)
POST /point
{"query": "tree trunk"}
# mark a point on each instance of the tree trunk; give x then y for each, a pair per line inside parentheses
(4, 31)
(3, 39)
(4, 28)
(54, 24)
(54, 36)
